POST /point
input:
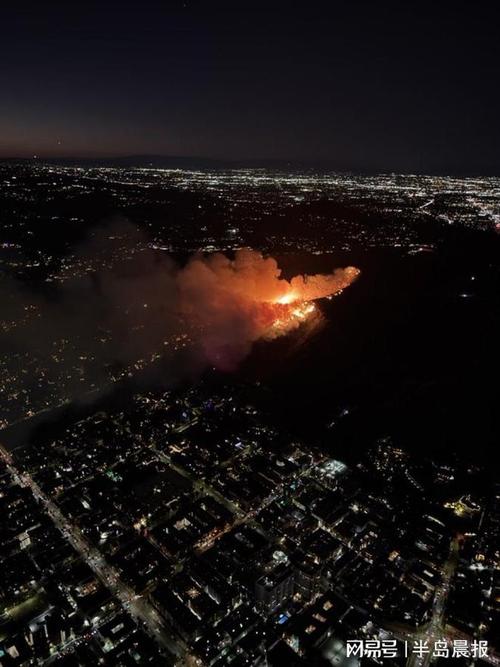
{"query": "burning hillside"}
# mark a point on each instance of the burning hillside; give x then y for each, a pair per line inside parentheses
(235, 302)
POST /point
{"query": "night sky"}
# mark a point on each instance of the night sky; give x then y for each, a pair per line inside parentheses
(410, 86)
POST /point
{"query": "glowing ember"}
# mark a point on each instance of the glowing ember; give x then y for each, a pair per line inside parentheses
(289, 315)
(304, 310)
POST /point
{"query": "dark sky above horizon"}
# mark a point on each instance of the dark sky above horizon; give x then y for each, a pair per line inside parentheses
(409, 86)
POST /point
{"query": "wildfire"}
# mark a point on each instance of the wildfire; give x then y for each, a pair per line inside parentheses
(237, 301)
(288, 298)
(288, 315)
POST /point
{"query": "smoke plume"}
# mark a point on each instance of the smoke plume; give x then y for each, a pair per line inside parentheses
(132, 305)
(231, 303)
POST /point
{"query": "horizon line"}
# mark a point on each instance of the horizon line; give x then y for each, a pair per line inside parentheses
(290, 161)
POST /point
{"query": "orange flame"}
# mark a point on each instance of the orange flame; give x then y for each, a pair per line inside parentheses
(235, 302)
